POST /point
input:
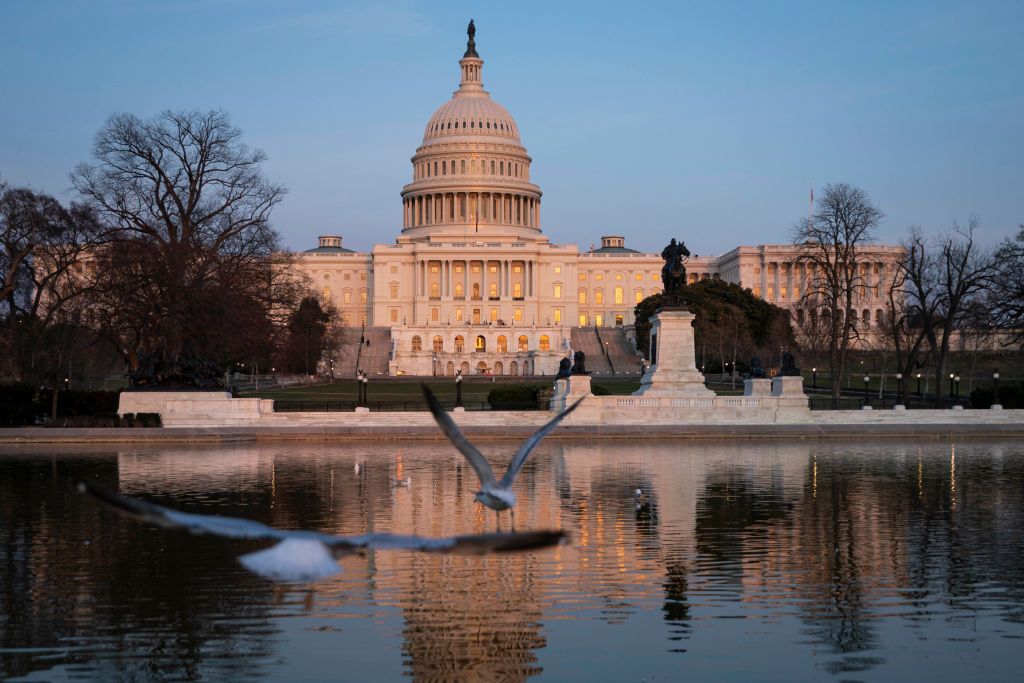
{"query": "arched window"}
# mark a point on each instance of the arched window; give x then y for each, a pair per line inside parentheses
(865, 315)
(513, 368)
(476, 291)
(394, 290)
(618, 296)
(878, 316)
(327, 293)
(435, 290)
(545, 343)
(458, 290)
(524, 343)
(444, 168)
(583, 296)
(502, 344)
(598, 296)
(517, 290)
(450, 369)
(493, 287)
(438, 344)
(417, 344)
(362, 296)
(499, 369)
(460, 343)
(481, 343)
(638, 295)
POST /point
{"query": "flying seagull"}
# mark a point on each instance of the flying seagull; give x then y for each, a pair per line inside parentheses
(310, 555)
(495, 494)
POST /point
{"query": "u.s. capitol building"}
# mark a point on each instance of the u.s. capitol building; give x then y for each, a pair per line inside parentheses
(473, 284)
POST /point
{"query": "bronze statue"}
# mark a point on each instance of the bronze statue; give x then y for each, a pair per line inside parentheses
(579, 363)
(673, 273)
(564, 369)
(756, 369)
(789, 368)
(471, 44)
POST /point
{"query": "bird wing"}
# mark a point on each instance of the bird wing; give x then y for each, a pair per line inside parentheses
(454, 434)
(215, 525)
(475, 544)
(520, 457)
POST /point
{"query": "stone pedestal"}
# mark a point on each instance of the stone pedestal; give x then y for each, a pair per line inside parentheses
(558, 395)
(674, 372)
(577, 386)
(761, 386)
(788, 386)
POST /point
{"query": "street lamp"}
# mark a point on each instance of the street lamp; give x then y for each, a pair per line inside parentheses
(458, 388)
(995, 379)
(899, 388)
(951, 385)
(957, 380)
(366, 399)
(919, 385)
(814, 378)
(866, 380)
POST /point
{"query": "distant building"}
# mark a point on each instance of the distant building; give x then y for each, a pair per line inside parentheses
(472, 283)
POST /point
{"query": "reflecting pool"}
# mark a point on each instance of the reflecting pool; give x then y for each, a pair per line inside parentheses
(740, 561)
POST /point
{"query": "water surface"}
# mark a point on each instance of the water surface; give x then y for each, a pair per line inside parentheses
(742, 561)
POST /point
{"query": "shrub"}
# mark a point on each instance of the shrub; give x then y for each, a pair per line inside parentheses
(1010, 396)
(598, 390)
(19, 405)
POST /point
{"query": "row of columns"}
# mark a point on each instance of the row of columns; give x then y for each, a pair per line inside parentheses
(788, 274)
(446, 283)
(471, 207)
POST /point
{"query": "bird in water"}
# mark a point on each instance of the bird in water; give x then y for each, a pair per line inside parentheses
(495, 494)
(302, 555)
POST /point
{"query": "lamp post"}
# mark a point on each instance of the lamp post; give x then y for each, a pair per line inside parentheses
(951, 375)
(359, 388)
(899, 389)
(458, 388)
(366, 399)
(866, 380)
(957, 380)
(995, 380)
(919, 385)
(814, 378)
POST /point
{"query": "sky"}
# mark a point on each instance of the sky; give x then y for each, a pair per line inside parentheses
(708, 122)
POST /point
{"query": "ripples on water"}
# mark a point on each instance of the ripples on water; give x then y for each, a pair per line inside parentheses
(781, 561)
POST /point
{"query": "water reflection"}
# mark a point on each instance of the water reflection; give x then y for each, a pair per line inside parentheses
(785, 560)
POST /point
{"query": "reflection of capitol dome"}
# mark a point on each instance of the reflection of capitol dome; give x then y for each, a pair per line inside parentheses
(471, 168)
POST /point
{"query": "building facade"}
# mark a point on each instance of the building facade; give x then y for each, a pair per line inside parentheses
(471, 283)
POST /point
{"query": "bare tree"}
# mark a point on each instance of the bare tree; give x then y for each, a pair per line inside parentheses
(831, 243)
(943, 278)
(902, 327)
(44, 251)
(1006, 300)
(191, 250)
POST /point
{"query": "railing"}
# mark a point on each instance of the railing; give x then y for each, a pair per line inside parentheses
(337, 406)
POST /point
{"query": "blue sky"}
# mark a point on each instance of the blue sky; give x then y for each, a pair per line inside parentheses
(706, 121)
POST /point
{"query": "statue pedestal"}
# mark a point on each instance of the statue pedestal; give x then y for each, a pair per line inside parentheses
(788, 386)
(674, 372)
(578, 385)
(558, 395)
(761, 386)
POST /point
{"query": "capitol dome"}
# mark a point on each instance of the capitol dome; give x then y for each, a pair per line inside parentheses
(471, 168)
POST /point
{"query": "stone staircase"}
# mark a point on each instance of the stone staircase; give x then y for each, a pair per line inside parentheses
(374, 358)
(621, 354)
(608, 350)
(586, 339)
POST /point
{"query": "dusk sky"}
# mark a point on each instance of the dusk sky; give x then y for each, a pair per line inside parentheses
(705, 121)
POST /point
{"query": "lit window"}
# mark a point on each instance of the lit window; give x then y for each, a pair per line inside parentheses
(458, 289)
(639, 296)
(362, 296)
(558, 316)
(493, 289)
(639, 277)
(618, 276)
(599, 296)
(458, 267)
(583, 277)
(583, 319)
(417, 343)
(558, 269)
(558, 290)
(517, 290)
(327, 293)
(502, 344)
(476, 268)
(347, 296)
(438, 344)
(434, 268)
(656, 277)
(458, 315)
(618, 295)
(494, 315)
(598, 276)
(517, 269)
(460, 344)
(481, 343)
(583, 296)
(517, 315)
(545, 342)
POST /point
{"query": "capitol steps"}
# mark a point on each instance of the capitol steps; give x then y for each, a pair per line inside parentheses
(374, 357)
(586, 339)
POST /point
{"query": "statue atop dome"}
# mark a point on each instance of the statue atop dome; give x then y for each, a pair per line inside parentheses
(471, 44)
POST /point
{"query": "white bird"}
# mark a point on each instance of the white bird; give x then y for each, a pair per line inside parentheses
(301, 555)
(497, 495)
